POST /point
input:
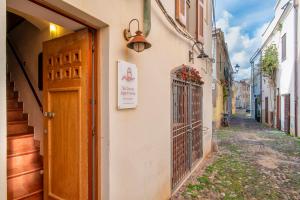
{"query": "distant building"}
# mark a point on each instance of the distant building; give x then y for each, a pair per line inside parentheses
(243, 94)
(222, 79)
(256, 79)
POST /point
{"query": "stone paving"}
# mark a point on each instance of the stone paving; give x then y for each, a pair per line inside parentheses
(252, 162)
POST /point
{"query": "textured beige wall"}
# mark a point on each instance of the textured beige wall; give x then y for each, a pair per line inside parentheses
(137, 142)
(3, 138)
(219, 108)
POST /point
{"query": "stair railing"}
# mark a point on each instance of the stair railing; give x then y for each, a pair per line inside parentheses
(21, 65)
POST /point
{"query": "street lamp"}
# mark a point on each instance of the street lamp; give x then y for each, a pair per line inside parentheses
(237, 68)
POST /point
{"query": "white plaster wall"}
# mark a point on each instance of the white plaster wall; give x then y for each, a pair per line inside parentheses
(3, 138)
(286, 77)
(285, 73)
(298, 66)
(137, 142)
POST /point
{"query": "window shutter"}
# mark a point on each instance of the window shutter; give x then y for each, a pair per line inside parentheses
(181, 12)
(200, 21)
(207, 6)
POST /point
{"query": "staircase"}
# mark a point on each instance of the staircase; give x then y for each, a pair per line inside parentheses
(24, 163)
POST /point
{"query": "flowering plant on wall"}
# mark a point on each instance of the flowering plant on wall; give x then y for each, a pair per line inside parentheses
(225, 83)
(190, 74)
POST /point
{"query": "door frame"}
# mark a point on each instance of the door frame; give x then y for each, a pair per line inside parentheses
(93, 137)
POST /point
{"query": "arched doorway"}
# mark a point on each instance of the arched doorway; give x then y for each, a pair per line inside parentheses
(186, 122)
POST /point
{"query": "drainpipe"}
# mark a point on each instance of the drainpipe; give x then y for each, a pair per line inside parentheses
(296, 64)
(147, 17)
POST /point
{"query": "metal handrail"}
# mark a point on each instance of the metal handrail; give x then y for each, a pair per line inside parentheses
(25, 74)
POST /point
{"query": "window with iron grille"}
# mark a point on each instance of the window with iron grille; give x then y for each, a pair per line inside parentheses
(186, 123)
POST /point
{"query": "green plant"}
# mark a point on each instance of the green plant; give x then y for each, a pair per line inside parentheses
(269, 66)
(269, 63)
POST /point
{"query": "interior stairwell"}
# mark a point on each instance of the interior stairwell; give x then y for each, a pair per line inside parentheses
(24, 163)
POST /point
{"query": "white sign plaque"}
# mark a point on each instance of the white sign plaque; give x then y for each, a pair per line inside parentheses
(127, 85)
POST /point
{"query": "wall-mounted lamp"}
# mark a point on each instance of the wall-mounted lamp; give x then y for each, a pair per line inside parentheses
(53, 30)
(202, 54)
(136, 42)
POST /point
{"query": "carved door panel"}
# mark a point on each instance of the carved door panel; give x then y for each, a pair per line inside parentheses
(67, 92)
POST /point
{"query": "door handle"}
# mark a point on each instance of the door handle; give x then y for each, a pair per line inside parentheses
(49, 115)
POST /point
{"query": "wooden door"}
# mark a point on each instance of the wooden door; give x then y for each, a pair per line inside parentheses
(267, 110)
(67, 124)
(278, 121)
(287, 113)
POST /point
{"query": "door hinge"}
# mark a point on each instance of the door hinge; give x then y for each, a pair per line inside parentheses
(93, 101)
(93, 132)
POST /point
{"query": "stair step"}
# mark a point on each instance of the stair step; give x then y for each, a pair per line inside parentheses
(12, 101)
(26, 170)
(23, 187)
(24, 163)
(14, 105)
(11, 94)
(15, 109)
(20, 143)
(38, 195)
(10, 87)
(23, 160)
(16, 127)
(16, 115)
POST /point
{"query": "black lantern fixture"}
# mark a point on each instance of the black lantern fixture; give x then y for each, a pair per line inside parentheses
(237, 68)
(136, 42)
(202, 54)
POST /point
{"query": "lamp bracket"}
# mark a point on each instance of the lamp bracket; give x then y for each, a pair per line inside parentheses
(127, 32)
(191, 56)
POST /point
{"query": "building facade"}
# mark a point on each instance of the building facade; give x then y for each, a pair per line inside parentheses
(130, 107)
(256, 84)
(278, 108)
(222, 79)
(243, 94)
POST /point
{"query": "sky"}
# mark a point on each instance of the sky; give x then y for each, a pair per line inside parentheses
(243, 22)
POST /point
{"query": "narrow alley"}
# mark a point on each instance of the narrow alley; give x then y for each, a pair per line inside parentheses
(252, 162)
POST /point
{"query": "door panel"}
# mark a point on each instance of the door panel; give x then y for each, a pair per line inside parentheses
(278, 112)
(287, 113)
(64, 159)
(267, 110)
(67, 124)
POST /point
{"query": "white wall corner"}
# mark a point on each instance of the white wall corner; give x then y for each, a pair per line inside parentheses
(3, 138)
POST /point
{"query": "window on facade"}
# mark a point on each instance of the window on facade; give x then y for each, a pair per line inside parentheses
(192, 14)
(200, 21)
(283, 48)
(181, 15)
